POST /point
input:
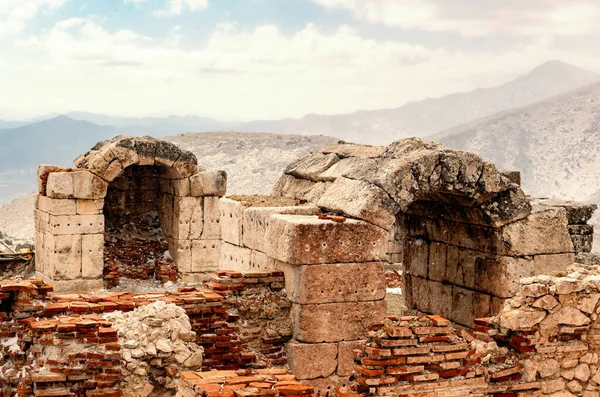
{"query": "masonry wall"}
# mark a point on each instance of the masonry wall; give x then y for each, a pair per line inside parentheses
(463, 270)
(131, 178)
(333, 270)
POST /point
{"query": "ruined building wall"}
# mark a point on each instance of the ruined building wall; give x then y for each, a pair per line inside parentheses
(139, 175)
(105, 344)
(333, 276)
(468, 231)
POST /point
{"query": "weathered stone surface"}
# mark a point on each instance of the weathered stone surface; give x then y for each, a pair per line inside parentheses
(88, 186)
(89, 207)
(290, 186)
(513, 176)
(234, 257)
(212, 218)
(521, 319)
(209, 183)
(205, 255)
(256, 220)
(339, 282)
(570, 316)
(334, 322)
(299, 240)
(166, 154)
(43, 171)
(76, 224)
(468, 305)
(542, 232)
(188, 218)
(416, 257)
(311, 166)
(312, 360)
(547, 367)
(60, 185)
(56, 206)
(500, 275)
(587, 304)
(578, 213)
(440, 299)
(361, 200)
(546, 302)
(65, 254)
(231, 220)
(348, 166)
(92, 259)
(546, 264)
(344, 150)
(582, 243)
(182, 253)
(345, 357)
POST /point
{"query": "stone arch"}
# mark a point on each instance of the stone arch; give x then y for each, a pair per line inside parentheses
(107, 159)
(116, 181)
(463, 224)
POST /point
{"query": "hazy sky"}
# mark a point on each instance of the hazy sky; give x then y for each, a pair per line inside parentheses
(259, 59)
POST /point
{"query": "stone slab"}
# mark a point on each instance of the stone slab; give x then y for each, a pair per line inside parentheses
(340, 282)
(545, 264)
(361, 200)
(234, 257)
(255, 221)
(212, 218)
(335, 322)
(92, 259)
(56, 206)
(312, 360)
(76, 224)
(302, 240)
(231, 220)
(205, 255)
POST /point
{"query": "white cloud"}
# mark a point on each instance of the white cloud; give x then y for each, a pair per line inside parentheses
(246, 74)
(14, 14)
(176, 7)
(479, 18)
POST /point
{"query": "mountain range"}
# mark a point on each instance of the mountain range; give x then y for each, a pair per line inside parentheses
(545, 123)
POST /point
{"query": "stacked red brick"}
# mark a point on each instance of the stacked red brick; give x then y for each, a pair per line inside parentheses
(261, 382)
(73, 356)
(415, 355)
(19, 300)
(265, 332)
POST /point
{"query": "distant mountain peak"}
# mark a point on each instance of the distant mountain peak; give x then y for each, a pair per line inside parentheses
(558, 69)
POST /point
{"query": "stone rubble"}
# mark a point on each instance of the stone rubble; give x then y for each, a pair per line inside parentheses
(157, 345)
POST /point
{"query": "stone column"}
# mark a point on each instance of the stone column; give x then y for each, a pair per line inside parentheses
(335, 279)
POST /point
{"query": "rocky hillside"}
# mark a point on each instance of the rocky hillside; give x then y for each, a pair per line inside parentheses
(438, 114)
(253, 163)
(555, 144)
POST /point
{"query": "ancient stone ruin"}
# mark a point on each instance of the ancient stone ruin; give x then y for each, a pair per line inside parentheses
(286, 294)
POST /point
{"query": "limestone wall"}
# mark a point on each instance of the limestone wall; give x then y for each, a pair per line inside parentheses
(333, 270)
(139, 175)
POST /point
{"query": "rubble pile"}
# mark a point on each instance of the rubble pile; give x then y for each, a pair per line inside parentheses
(261, 382)
(157, 343)
(136, 250)
(260, 303)
(265, 325)
(552, 324)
